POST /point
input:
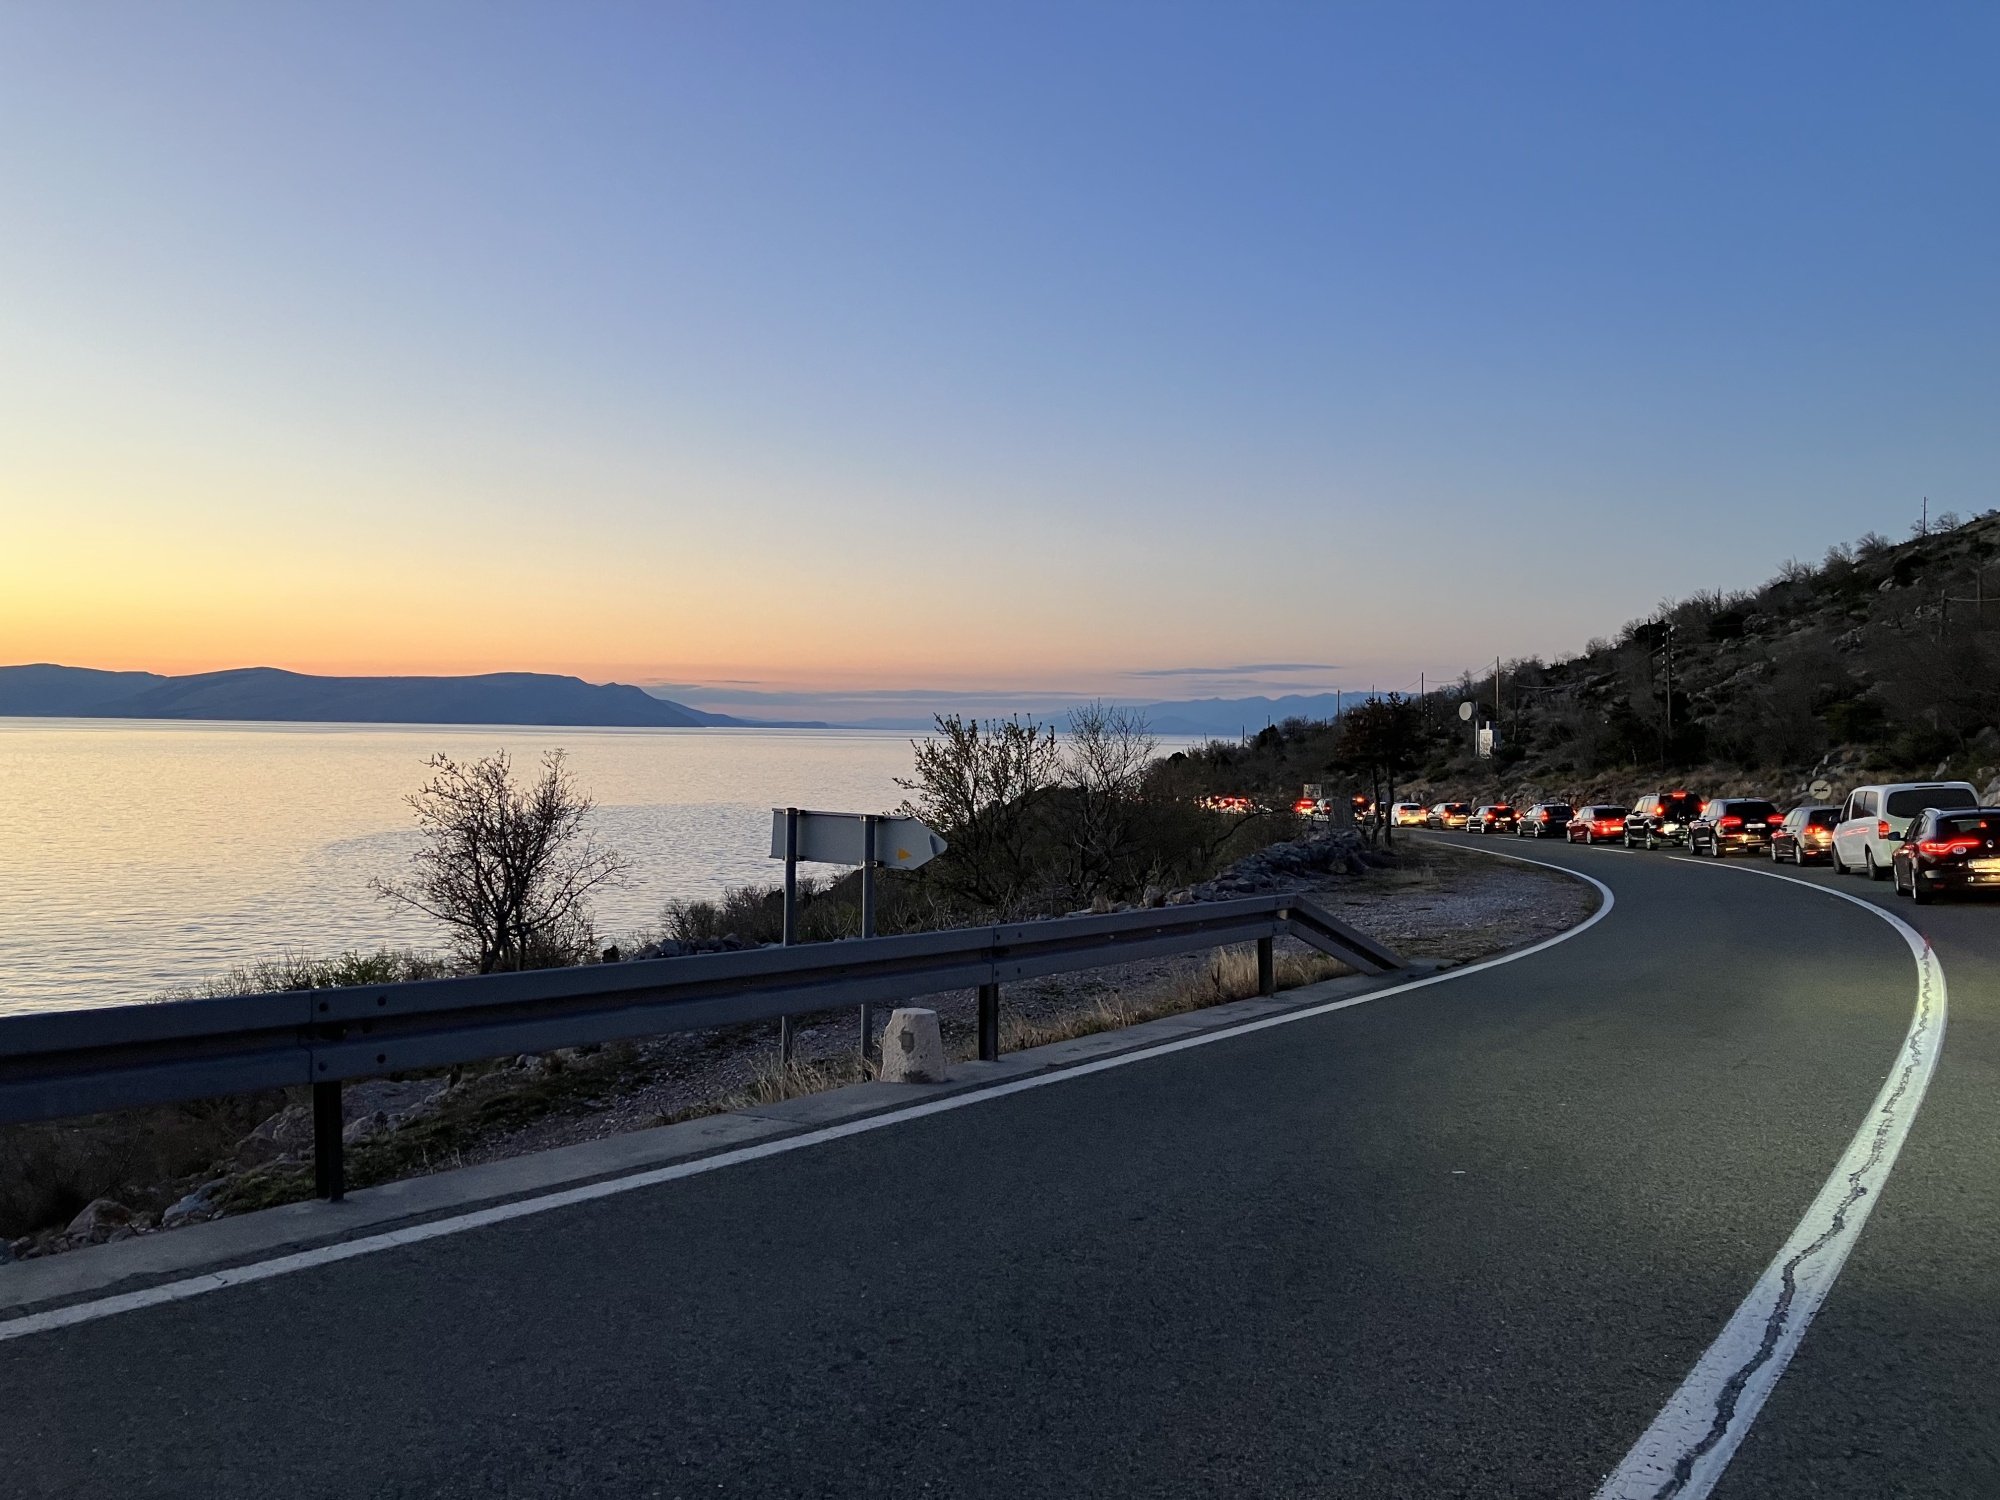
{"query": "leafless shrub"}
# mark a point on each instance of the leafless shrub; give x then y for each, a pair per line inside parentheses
(982, 788)
(507, 869)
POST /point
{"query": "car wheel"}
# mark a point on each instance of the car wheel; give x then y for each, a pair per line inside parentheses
(1651, 842)
(1717, 848)
(1875, 871)
(1774, 855)
(1918, 893)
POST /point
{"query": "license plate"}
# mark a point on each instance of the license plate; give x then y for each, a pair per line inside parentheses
(1987, 866)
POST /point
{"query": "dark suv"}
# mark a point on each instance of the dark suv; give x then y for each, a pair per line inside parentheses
(1949, 851)
(1727, 823)
(1661, 818)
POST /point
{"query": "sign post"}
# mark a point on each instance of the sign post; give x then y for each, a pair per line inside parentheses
(867, 840)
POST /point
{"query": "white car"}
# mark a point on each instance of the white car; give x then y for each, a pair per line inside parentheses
(1408, 814)
(1875, 818)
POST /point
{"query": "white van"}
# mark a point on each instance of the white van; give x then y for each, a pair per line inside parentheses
(1875, 818)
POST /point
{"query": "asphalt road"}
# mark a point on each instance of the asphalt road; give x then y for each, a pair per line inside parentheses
(1464, 1240)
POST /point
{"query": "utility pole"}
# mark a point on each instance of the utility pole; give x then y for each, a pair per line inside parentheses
(1496, 698)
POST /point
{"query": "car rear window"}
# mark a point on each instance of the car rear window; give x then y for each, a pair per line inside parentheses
(1607, 812)
(1682, 805)
(1911, 800)
(1750, 809)
(1823, 817)
(1981, 825)
(1559, 810)
(1458, 807)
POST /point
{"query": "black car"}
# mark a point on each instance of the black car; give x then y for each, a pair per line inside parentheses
(1806, 834)
(1495, 817)
(1946, 852)
(1733, 823)
(1661, 818)
(1545, 820)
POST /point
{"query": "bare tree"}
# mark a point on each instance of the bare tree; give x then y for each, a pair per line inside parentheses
(981, 787)
(507, 868)
(1105, 761)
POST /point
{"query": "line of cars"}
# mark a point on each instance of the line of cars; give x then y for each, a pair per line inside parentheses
(1930, 837)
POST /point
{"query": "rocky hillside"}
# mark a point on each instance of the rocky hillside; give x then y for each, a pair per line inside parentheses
(1881, 659)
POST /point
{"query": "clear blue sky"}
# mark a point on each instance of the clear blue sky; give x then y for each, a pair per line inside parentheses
(937, 345)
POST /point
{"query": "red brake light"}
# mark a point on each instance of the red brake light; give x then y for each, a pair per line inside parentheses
(1732, 821)
(1881, 828)
(1940, 848)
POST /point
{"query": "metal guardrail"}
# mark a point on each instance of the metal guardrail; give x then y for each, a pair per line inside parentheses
(69, 1063)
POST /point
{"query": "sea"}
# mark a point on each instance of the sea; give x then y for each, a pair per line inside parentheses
(140, 856)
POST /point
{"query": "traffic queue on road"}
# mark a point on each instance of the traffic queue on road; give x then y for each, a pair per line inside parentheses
(1930, 838)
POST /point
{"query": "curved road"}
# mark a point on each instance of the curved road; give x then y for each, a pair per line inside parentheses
(1464, 1239)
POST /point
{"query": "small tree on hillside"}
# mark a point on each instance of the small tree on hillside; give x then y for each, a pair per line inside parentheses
(507, 868)
(1380, 740)
(982, 789)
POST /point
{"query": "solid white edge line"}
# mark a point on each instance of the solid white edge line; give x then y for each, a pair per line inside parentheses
(215, 1281)
(1684, 1453)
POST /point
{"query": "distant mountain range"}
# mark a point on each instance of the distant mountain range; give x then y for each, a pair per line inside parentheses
(268, 693)
(257, 694)
(889, 709)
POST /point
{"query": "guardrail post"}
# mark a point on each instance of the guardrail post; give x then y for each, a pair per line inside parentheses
(791, 934)
(329, 1170)
(1267, 967)
(868, 824)
(989, 1023)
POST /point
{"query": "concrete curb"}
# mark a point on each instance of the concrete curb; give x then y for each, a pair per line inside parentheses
(37, 1285)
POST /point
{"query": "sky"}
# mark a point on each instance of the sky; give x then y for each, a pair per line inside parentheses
(768, 347)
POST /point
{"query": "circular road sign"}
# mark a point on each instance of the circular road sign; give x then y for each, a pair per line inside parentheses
(1465, 712)
(1821, 789)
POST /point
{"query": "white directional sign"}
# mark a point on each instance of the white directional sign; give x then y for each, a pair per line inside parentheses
(829, 838)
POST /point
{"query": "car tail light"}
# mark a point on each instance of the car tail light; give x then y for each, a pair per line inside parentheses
(1942, 848)
(1732, 821)
(1881, 828)
(1775, 819)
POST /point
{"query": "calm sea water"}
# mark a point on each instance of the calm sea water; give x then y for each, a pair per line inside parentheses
(137, 856)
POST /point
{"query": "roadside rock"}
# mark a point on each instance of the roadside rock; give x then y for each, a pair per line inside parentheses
(289, 1131)
(194, 1207)
(100, 1218)
(368, 1126)
(1293, 866)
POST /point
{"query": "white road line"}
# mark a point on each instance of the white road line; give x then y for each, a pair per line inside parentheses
(1684, 1452)
(305, 1260)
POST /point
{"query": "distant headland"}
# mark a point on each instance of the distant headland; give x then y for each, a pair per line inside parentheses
(44, 690)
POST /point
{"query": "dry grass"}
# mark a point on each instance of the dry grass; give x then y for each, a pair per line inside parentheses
(1230, 974)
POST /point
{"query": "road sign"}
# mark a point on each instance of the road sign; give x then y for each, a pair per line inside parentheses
(830, 838)
(1465, 712)
(1821, 789)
